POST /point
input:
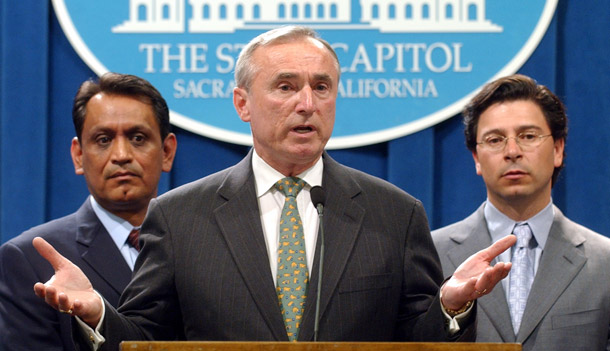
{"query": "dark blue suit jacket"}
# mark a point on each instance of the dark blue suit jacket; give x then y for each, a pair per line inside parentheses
(26, 321)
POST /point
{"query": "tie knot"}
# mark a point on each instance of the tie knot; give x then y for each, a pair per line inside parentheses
(524, 234)
(290, 186)
(133, 237)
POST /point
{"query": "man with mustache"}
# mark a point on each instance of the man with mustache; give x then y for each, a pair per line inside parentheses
(229, 256)
(122, 144)
(556, 296)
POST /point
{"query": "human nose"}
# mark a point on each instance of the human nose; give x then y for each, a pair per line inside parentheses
(306, 103)
(512, 149)
(121, 151)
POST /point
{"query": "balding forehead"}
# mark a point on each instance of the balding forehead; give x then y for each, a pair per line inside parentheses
(314, 41)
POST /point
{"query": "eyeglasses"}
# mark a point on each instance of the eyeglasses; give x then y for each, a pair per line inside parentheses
(526, 140)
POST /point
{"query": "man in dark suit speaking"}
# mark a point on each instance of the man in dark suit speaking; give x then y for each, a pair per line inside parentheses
(230, 256)
(122, 145)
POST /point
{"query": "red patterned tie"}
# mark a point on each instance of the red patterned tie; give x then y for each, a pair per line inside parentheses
(132, 239)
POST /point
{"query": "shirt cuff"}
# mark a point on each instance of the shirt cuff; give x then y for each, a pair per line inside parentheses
(94, 336)
(453, 322)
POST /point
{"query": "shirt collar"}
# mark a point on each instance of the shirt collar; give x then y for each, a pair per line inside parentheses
(266, 176)
(117, 227)
(500, 225)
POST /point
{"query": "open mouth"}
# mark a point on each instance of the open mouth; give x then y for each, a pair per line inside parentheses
(303, 129)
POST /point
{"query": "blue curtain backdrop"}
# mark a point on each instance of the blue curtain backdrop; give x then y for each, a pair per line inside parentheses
(40, 72)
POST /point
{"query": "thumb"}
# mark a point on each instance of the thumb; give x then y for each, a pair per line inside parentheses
(48, 252)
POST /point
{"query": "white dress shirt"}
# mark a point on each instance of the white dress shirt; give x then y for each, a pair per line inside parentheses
(271, 201)
(119, 230)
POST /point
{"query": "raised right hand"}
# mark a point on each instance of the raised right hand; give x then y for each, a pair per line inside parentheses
(476, 276)
(69, 290)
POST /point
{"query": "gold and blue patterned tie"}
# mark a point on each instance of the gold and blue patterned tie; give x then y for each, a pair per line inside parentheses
(292, 273)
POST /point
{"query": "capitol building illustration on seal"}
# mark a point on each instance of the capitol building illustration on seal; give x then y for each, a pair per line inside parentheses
(397, 16)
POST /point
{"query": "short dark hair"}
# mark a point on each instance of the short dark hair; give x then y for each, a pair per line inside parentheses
(513, 88)
(124, 85)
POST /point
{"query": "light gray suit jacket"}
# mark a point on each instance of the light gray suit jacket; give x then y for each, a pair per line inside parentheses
(569, 305)
(203, 272)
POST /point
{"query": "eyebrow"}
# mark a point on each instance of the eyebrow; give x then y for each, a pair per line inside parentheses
(109, 130)
(286, 75)
(519, 130)
(323, 77)
(318, 76)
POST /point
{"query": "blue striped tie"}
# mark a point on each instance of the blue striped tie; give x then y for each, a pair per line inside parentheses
(521, 274)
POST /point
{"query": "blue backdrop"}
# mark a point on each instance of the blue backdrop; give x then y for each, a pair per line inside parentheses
(40, 72)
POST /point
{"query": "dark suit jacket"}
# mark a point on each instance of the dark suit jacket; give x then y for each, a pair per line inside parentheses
(203, 272)
(569, 305)
(26, 321)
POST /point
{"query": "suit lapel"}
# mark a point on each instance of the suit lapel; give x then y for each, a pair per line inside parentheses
(474, 238)
(342, 221)
(99, 251)
(561, 261)
(239, 215)
(494, 305)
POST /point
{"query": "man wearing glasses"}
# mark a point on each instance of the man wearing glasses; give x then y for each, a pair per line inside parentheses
(556, 296)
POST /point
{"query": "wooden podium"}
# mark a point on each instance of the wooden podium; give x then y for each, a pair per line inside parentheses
(312, 346)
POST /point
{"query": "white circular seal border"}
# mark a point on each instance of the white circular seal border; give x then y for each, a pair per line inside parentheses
(355, 140)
